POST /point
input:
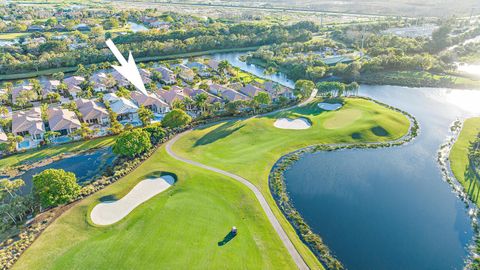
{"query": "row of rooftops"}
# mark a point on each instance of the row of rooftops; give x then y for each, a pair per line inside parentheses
(31, 122)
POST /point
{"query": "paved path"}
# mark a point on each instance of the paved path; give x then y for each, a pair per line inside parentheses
(271, 217)
(266, 208)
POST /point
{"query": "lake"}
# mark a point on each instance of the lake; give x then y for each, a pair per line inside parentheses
(390, 208)
(387, 208)
(136, 27)
(84, 165)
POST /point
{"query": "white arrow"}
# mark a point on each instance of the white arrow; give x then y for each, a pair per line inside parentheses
(128, 69)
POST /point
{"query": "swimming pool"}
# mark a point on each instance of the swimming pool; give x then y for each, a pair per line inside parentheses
(24, 145)
(63, 139)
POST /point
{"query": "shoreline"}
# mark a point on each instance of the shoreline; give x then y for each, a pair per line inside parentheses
(443, 160)
(276, 183)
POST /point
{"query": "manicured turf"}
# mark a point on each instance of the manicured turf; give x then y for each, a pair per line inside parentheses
(459, 159)
(177, 229)
(181, 228)
(34, 154)
(250, 147)
(11, 36)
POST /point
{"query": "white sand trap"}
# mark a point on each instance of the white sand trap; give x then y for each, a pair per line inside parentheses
(107, 213)
(329, 106)
(299, 123)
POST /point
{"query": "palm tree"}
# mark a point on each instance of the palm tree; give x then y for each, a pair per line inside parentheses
(201, 101)
(12, 141)
(47, 136)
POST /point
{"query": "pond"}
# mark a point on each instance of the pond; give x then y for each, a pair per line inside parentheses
(84, 165)
(387, 208)
(136, 27)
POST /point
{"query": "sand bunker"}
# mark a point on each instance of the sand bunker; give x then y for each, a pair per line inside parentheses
(299, 123)
(329, 106)
(107, 213)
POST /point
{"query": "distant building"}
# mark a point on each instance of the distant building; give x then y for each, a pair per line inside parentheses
(251, 90)
(82, 27)
(168, 77)
(36, 28)
(73, 83)
(232, 95)
(17, 90)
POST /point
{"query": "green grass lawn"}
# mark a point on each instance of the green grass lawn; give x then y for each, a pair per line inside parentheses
(37, 154)
(251, 147)
(177, 229)
(459, 159)
(11, 36)
(181, 228)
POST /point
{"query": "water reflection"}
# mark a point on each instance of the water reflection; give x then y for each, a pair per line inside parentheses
(390, 208)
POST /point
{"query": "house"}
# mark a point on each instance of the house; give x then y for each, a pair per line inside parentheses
(119, 79)
(192, 93)
(3, 136)
(160, 25)
(75, 46)
(251, 90)
(186, 73)
(145, 74)
(213, 64)
(92, 112)
(82, 27)
(175, 93)
(150, 101)
(17, 90)
(125, 109)
(232, 95)
(35, 28)
(38, 40)
(218, 89)
(73, 83)
(100, 80)
(28, 123)
(59, 28)
(276, 90)
(50, 86)
(168, 77)
(62, 121)
(236, 86)
(202, 69)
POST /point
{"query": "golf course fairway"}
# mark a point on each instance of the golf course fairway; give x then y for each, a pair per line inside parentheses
(185, 227)
(459, 157)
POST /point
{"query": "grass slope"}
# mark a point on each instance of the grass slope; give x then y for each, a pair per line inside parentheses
(51, 151)
(181, 228)
(177, 229)
(251, 147)
(459, 157)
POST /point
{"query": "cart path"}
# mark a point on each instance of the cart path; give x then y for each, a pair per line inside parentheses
(261, 199)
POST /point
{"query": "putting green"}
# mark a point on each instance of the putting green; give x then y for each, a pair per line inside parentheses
(185, 226)
(342, 118)
(250, 147)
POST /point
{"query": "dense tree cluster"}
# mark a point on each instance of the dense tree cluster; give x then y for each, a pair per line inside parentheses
(54, 53)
